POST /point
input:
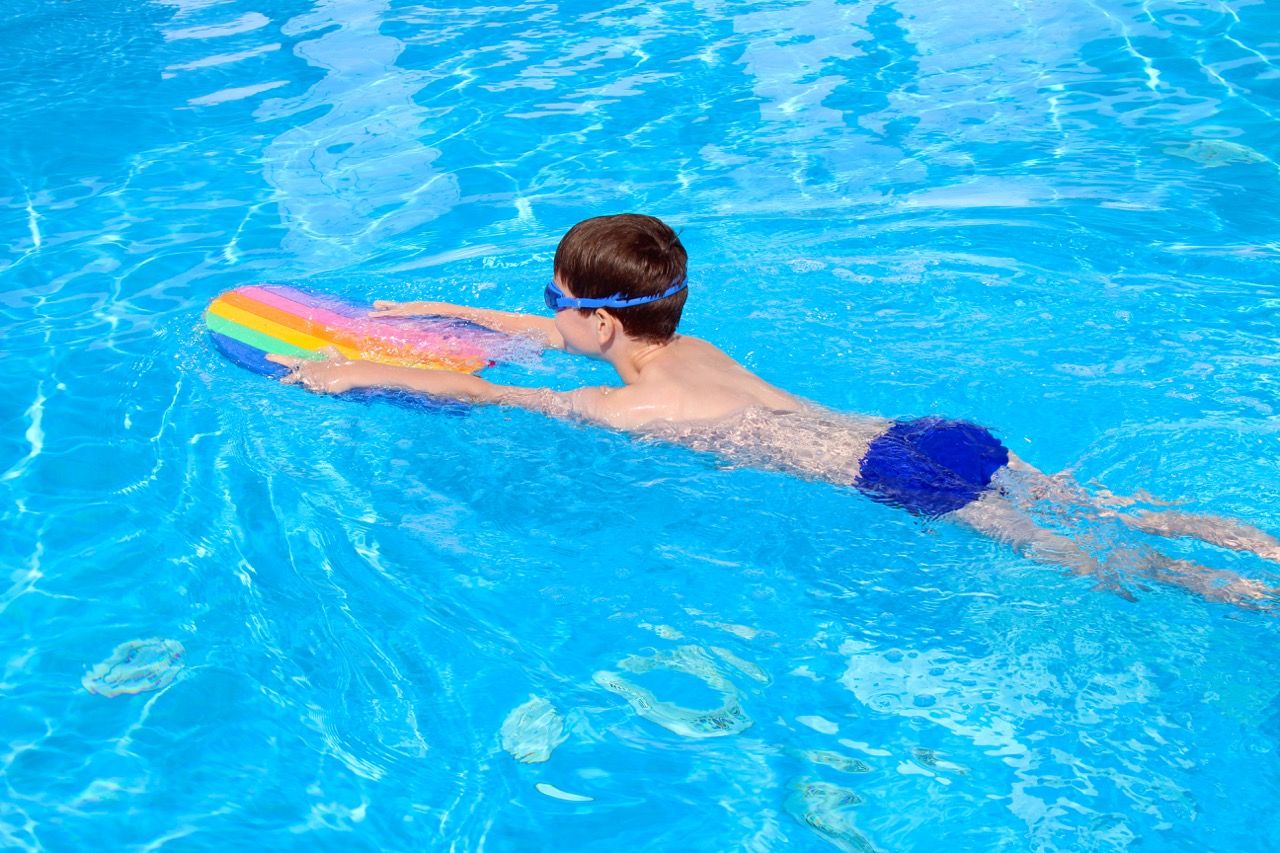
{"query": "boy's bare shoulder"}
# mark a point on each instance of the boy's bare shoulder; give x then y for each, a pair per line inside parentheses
(690, 347)
(625, 408)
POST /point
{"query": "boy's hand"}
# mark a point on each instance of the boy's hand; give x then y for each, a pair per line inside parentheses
(334, 375)
(387, 308)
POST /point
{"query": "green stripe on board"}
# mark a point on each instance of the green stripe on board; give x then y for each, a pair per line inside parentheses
(266, 343)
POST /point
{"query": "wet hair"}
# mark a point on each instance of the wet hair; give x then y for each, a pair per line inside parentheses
(632, 255)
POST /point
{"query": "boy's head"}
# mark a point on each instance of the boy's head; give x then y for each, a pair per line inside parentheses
(628, 255)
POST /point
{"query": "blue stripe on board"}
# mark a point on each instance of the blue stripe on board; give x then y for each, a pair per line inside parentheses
(243, 355)
(255, 360)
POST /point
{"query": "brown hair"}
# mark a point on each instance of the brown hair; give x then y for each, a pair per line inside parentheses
(632, 255)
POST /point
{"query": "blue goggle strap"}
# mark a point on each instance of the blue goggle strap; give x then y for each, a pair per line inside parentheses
(618, 300)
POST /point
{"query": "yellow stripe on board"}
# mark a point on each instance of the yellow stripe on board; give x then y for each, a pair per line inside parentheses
(257, 340)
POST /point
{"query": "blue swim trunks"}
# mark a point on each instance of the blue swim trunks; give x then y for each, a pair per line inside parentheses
(930, 466)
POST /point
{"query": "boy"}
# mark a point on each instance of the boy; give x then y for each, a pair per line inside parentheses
(618, 291)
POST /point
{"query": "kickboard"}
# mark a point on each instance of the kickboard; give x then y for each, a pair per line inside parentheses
(249, 323)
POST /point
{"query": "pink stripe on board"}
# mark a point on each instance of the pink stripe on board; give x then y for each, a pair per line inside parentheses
(446, 342)
(314, 300)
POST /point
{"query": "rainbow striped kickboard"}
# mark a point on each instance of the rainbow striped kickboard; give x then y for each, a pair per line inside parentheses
(249, 323)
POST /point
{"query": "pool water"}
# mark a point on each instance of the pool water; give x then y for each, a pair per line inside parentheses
(237, 616)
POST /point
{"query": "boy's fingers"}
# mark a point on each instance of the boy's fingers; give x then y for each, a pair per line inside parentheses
(289, 362)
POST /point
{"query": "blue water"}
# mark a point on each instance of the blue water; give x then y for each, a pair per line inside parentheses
(235, 616)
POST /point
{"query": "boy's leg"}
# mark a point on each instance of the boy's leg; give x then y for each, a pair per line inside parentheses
(1213, 584)
(1216, 530)
(995, 515)
(1213, 529)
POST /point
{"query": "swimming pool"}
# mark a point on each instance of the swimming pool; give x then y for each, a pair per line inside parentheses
(346, 622)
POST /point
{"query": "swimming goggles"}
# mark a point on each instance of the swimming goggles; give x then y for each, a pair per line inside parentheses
(558, 301)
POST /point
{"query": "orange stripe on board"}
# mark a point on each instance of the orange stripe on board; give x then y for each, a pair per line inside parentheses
(292, 321)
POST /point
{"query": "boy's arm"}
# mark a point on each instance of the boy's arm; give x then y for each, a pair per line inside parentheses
(336, 375)
(541, 329)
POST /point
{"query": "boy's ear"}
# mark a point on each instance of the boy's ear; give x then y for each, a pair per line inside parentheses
(607, 327)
